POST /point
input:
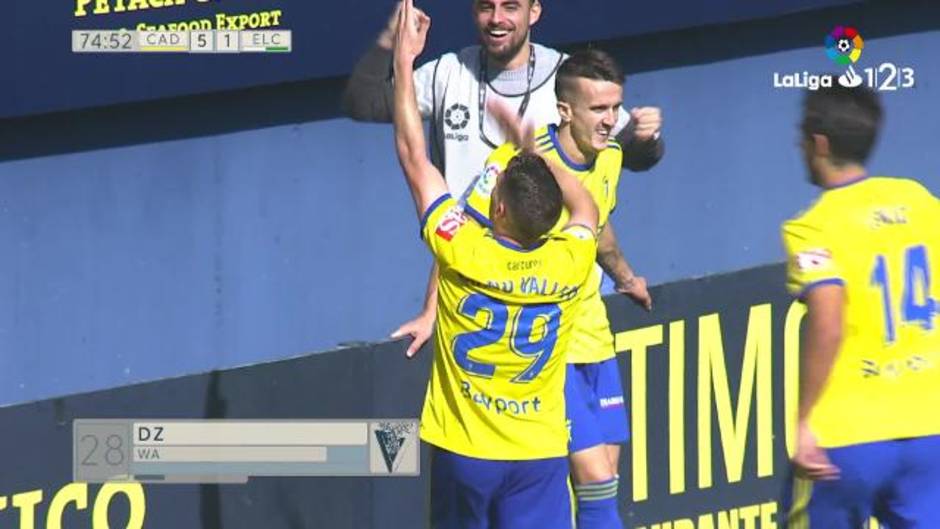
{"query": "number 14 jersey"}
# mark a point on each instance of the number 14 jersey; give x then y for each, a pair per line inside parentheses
(880, 239)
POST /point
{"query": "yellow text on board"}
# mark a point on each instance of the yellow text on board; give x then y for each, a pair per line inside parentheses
(712, 381)
(104, 7)
(73, 496)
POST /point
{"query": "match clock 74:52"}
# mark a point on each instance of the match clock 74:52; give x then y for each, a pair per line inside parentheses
(84, 41)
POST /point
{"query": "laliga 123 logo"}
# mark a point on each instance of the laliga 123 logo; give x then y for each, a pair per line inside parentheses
(844, 46)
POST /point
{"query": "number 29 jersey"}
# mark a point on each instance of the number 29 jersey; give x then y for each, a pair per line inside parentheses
(880, 239)
(504, 317)
(592, 340)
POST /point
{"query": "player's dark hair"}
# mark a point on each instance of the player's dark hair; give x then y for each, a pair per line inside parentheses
(588, 64)
(848, 117)
(532, 197)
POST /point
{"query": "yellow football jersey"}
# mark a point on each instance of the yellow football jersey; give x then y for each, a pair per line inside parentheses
(503, 321)
(592, 340)
(880, 239)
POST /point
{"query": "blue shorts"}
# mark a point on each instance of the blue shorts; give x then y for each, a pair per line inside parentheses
(595, 406)
(897, 482)
(471, 493)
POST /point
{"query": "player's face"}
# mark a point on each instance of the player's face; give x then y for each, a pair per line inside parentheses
(592, 112)
(504, 25)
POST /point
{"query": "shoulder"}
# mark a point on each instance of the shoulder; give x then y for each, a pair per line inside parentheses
(547, 61)
(808, 224)
(447, 64)
(550, 54)
(574, 243)
(468, 57)
(815, 211)
(613, 154)
(609, 161)
(904, 185)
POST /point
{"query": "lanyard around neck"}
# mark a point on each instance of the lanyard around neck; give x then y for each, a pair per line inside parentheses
(481, 96)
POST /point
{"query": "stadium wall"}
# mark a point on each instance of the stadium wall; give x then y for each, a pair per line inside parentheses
(710, 377)
(151, 240)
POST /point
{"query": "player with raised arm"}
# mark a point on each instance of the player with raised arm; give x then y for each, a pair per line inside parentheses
(453, 93)
(589, 87)
(494, 410)
(864, 258)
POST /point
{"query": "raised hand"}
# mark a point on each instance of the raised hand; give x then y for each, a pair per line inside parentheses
(412, 33)
(648, 121)
(520, 133)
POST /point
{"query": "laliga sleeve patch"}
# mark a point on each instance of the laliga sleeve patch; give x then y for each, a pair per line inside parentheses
(450, 223)
(815, 260)
(580, 232)
(487, 180)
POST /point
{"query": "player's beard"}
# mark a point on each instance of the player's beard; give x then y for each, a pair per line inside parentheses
(509, 52)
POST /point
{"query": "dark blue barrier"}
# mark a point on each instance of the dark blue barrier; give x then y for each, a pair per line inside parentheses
(42, 74)
(709, 375)
(172, 237)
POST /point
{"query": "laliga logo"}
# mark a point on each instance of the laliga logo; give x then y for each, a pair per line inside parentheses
(844, 47)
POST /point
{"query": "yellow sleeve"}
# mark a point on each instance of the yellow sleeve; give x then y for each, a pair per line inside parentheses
(810, 258)
(476, 200)
(582, 249)
(449, 233)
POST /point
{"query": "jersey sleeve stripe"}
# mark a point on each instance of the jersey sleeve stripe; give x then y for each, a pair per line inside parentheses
(434, 205)
(830, 281)
(572, 226)
(477, 216)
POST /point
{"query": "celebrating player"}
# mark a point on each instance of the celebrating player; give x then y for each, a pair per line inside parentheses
(494, 409)
(864, 259)
(589, 87)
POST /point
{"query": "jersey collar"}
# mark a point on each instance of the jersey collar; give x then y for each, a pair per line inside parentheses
(553, 134)
(850, 181)
(515, 247)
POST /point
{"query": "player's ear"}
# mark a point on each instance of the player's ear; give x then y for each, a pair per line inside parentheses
(564, 111)
(821, 145)
(499, 209)
(535, 12)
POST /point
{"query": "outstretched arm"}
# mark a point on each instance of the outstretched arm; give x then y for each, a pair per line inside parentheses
(825, 308)
(423, 178)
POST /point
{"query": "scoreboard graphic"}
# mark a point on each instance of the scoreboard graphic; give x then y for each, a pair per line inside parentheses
(200, 41)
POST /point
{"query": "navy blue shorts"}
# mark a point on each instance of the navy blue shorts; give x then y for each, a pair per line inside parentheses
(897, 482)
(595, 406)
(471, 493)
